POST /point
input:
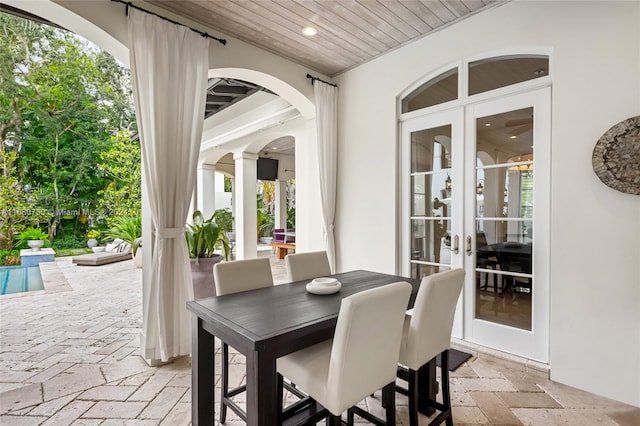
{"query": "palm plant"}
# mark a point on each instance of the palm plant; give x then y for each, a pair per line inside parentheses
(128, 229)
(266, 220)
(205, 236)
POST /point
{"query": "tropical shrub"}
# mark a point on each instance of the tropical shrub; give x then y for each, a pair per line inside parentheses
(266, 223)
(128, 229)
(291, 218)
(205, 236)
(32, 234)
(68, 241)
(94, 233)
(8, 257)
(224, 219)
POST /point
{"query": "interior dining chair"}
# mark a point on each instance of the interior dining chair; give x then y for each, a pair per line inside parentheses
(304, 266)
(360, 359)
(487, 260)
(427, 334)
(235, 277)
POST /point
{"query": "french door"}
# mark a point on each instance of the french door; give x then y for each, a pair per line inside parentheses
(432, 226)
(475, 197)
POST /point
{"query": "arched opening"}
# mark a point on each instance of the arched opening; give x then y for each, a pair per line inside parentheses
(268, 125)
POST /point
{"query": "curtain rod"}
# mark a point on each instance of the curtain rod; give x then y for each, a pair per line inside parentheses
(313, 79)
(203, 34)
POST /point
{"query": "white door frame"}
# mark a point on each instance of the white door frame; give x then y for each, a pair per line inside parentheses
(532, 344)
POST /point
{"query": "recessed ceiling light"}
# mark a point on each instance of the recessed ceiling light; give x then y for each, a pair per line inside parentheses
(309, 31)
(487, 125)
(274, 148)
(513, 137)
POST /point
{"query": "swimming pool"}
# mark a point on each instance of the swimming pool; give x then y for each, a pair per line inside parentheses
(19, 279)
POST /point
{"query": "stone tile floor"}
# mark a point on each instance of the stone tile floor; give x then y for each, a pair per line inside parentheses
(69, 357)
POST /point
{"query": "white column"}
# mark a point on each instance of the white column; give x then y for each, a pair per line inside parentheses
(233, 202)
(245, 205)
(206, 189)
(281, 204)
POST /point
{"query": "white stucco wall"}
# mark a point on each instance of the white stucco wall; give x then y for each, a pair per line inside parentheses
(595, 235)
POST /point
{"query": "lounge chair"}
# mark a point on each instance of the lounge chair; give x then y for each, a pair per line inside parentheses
(114, 252)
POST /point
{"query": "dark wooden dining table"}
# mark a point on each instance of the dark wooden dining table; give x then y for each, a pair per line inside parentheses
(266, 324)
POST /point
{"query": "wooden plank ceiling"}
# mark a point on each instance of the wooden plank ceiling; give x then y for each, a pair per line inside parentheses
(349, 32)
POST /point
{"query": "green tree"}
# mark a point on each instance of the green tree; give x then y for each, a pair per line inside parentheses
(61, 99)
(121, 164)
(18, 209)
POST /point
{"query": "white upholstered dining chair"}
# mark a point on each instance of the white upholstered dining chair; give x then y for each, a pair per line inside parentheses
(235, 277)
(304, 266)
(427, 334)
(360, 359)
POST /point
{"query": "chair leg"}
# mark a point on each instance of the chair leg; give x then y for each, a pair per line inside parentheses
(413, 397)
(446, 394)
(224, 379)
(333, 420)
(389, 403)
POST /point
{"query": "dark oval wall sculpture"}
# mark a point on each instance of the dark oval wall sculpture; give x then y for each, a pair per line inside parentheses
(616, 156)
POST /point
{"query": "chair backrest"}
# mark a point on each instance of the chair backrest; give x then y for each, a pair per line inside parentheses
(429, 327)
(366, 344)
(242, 275)
(481, 239)
(303, 266)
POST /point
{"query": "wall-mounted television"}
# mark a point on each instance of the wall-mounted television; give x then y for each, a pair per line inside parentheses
(267, 168)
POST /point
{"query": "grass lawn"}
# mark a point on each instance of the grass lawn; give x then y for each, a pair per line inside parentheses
(72, 252)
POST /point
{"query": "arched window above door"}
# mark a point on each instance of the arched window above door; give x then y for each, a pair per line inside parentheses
(481, 76)
(438, 90)
(493, 73)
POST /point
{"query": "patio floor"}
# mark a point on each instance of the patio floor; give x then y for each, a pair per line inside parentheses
(69, 356)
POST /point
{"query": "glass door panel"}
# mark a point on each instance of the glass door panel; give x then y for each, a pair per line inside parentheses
(504, 189)
(506, 284)
(431, 222)
(431, 198)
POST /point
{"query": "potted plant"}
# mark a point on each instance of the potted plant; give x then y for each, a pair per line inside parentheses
(92, 238)
(266, 221)
(33, 237)
(204, 237)
(129, 230)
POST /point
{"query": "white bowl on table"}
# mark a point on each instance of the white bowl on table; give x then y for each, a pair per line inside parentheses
(324, 285)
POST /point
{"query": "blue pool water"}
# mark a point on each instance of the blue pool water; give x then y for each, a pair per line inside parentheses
(18, 279)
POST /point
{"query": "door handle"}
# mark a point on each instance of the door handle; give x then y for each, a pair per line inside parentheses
(469, 245)
(456, 244)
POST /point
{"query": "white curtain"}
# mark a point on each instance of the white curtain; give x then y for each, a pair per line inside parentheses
(326, 101)
(169, 65)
